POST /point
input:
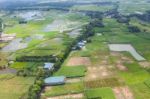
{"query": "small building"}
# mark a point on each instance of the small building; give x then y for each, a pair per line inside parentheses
(49, 66)
(57, 80)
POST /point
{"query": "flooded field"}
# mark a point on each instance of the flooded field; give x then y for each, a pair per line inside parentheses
(30, 15)
(60, 25)
(15, 45)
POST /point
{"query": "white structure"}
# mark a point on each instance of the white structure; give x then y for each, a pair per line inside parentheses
(49, 66)
(128, 48)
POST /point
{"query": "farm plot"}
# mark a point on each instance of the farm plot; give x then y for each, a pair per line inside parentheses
(71, 96)
(76, 61)
(70, 72)
(119, 59)
(98, 72)
(3, 59)
(126, 47)
(100, 93)
(140, 91)
(92, 8)
(15, 45)
(147, 83)
(15, 88)
(72, 88)
(123, 93)
(107, 82)
(135, 74)
(8, 71)
(60, 25)
(24, 65)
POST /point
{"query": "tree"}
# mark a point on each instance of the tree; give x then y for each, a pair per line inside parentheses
(134, 29)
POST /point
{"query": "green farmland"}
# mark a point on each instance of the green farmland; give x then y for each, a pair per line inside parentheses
(75, 49)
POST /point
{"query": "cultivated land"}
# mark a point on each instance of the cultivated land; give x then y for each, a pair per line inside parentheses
(118, 71)
(31, 39)
(113, 64)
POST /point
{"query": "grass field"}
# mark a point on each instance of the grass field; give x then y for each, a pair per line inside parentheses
(141, 91)
(64, 89)
(24, 65)
(70, 72)
(147, 83)
(14, 87)
(100, 93)
(92, 8)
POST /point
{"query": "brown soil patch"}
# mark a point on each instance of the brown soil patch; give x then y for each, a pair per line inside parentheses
(70, 96)
(97, 72)
(73, 80)
(115, 53)
(76, 61)
(145, 64)
(7, 37)
(120, 66)
(8, 71)
(123, 93)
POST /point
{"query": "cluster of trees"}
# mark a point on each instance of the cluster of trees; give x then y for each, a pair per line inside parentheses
(50, 58)
(122, 19)
(35, 89)
(134, 29)
(144, 17)
(94, 14)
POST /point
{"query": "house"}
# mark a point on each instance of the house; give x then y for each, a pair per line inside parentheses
(81, 44)
(57, 80)
(49, 66)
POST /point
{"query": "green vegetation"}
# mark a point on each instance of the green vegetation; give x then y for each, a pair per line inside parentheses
(147, 82)
(92, 8)
(100, 93)
(141, 91)
(64, 89)
(56, 45)
(108, 82)
(71, 71)
(135, 74)
(24, 65)
(16, 87)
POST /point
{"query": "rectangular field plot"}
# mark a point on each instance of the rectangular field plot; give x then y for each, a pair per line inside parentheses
(100, 93)
(109, 82)
(75, 71)
(15, 88)
(63, 89)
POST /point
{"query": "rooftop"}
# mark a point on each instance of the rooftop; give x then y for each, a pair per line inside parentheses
(55, 80)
